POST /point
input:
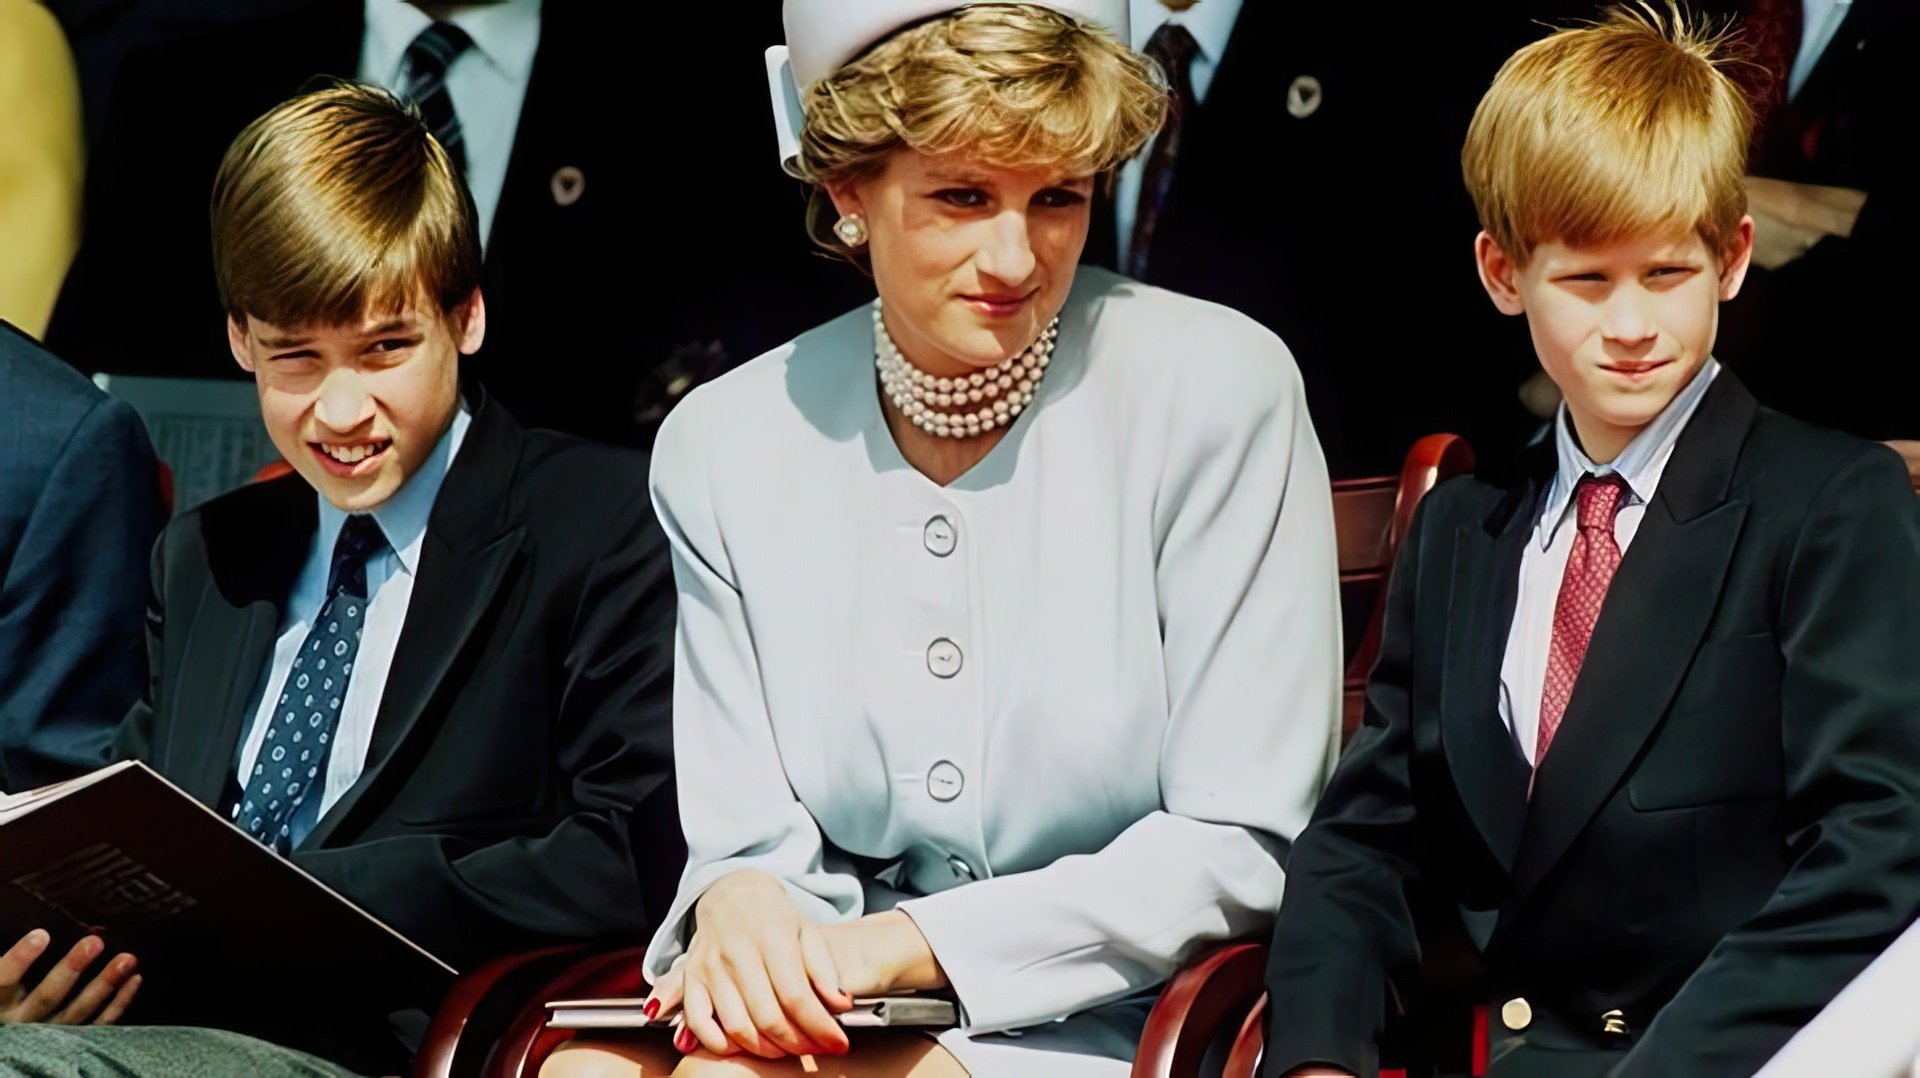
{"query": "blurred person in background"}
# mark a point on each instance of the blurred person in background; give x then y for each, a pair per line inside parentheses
(556, 140)
(40, 162)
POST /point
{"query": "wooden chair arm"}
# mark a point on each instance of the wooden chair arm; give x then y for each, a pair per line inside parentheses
(527, 1042)
(1247, 1043)
(478, 1006)
(1214, 989)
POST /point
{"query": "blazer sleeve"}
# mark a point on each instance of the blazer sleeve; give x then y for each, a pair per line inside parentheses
(594, 873)
(1850, 728)
(723, 735)
(1345, 922)
(1248, 605)
(71, 600)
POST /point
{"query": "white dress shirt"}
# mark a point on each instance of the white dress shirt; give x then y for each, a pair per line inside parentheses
(1069, 709)
(1819, 21)
(390, 575)
(1211, 24)
(1523, 669)
(488, 82)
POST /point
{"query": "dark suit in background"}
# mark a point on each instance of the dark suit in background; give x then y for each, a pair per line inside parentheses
(518, 786)
(683, 254)
(79, 508)
(1850, 125)
(1727, 828)
(1347, 230)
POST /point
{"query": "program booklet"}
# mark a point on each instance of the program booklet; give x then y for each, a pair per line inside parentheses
(126, 855)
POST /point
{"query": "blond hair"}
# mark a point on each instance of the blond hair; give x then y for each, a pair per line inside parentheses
(336, 204)
(1628, 126)
(1008, 85)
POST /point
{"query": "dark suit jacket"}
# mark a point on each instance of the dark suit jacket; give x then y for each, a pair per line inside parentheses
(1330, 227)
(79, 507)
(518, 789)
(683, 254)
(1727, 828)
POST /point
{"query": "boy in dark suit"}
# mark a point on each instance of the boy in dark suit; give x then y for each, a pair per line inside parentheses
(1647, 722)
(431, 667)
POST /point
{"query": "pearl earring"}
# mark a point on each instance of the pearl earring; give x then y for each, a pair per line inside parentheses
(852, 230)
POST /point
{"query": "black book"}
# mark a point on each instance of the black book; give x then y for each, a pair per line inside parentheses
(209, 912)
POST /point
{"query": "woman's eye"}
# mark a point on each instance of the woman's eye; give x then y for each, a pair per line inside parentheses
(964, 197)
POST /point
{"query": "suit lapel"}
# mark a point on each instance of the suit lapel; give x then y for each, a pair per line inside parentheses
(468, 551)
(1488, 770)
(232, 631)
(1656, 611)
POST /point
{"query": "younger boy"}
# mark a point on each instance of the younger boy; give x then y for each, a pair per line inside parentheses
(1647, 720)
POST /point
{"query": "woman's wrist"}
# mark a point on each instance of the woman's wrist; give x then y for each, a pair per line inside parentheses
(909, 962)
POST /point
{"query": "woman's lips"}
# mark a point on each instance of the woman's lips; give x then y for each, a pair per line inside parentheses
(996, 306)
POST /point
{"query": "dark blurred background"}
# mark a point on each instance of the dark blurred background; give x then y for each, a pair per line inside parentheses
(640, 237)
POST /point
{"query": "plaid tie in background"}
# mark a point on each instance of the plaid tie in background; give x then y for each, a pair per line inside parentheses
(1173, 48)
(427, 60)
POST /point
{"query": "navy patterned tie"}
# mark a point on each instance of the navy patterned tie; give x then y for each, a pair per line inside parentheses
(428, 58)
(294, 755)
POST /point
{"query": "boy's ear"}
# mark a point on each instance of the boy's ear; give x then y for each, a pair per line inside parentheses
(1497, 273)
(470, 322)
(1736, 260)
(237, 342)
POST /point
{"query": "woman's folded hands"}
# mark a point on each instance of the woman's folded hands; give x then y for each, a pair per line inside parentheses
(760, 978)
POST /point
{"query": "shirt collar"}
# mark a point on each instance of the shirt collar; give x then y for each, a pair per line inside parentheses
(501, 31)
(1209, 21)
(403, 517)
(1640, 464)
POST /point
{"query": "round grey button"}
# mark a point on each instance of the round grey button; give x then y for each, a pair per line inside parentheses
(960, 867)
(940, 537)
(943, 658)
(944, 781)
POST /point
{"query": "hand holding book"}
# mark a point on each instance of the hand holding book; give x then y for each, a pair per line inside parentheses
(101, 1003)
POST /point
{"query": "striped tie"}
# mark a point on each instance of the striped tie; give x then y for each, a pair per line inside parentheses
(425, 84)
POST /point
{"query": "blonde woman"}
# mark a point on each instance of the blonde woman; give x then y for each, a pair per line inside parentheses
(1008, 648)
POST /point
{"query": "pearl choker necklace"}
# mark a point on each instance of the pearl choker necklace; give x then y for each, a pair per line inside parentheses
(966, 406)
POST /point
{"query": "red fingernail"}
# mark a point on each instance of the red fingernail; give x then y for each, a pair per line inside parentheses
(652, 1008)
(684, 1041)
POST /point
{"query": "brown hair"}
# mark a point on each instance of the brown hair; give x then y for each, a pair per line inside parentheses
(337, 203)
(1010, 85)
(1621, 127)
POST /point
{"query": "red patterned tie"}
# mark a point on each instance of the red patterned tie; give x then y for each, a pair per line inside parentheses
(1590, 568)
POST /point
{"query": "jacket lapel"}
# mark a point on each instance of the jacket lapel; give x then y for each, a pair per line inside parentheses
(232, 630)
(1657, 608)
(468, 550)
(1488, 770)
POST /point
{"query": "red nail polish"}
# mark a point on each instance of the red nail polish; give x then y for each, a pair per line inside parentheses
(684, 1041)
(652, 1008)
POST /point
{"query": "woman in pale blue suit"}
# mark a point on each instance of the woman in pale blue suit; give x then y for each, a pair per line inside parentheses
(1008, 643)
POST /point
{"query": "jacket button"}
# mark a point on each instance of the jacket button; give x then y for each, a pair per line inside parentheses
(940, 537)
(945, 781)
(943, 658)
(1516, 1014)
